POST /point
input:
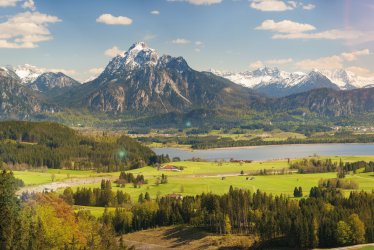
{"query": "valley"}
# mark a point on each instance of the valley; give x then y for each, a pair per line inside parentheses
(186, 124)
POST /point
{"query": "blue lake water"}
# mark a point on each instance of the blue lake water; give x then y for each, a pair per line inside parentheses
(262, 153)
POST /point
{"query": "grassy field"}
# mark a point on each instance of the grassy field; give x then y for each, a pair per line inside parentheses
(199, 177)
(275, 184)
(50, 175)
(95, 211)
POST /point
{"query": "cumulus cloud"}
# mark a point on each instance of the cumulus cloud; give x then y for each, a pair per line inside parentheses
(285, 26)
(272, 5)
(155, 12)
(279, 5)
(198, 2)
(8, 3)
(287, 29)
(109, 19)
(332, 62)
(26, 30)
(29, 4)
(114, 51)
(181, 41)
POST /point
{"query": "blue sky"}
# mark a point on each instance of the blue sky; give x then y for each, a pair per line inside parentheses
(79, 36)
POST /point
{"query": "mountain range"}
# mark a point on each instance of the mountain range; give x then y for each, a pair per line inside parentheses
(142, 82)
(276, 83)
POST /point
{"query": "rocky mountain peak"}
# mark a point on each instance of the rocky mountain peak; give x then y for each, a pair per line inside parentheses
(26, 72)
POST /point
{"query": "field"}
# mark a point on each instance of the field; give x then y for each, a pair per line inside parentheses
(180, 237)
(199, 177)
(47, 176)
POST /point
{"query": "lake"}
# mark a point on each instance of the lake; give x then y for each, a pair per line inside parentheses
(262, 153)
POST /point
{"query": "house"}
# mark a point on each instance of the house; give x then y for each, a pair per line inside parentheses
(175, 196)
(170, 168)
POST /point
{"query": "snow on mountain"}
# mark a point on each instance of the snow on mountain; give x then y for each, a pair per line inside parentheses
(262, 76)
(347, 80)
(27, 73)
(275, 82)
(138, 55)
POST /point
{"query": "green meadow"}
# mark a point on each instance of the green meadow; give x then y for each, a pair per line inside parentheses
(204, 177)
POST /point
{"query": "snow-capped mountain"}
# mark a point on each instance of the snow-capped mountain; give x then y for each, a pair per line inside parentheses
(142, 81)
(348, 80)
(26, 72)
(49, 81)
(274, 82)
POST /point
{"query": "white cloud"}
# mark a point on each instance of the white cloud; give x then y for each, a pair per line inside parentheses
(272, 5)
(285, 26)
(199, 43)
(309, 6)
(361, 71)
(332, 62)
(279, 5)
(114, 51)
(26, 30)
(256, 65)
(8, 3)
(114, 20)
(95, 71)
(287, 29)
(29, 4)
(155, 12)
(181, 41)
(198, 2)
(355, 54)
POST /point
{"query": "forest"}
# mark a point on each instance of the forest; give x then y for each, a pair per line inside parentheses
(325, 219)
(45, 144)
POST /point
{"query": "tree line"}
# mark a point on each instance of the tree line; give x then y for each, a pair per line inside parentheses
(40, 144)
(325, 219)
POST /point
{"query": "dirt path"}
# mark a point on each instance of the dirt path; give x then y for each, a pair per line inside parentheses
(63, 184)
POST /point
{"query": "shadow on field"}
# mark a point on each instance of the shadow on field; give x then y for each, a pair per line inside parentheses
(183, 235)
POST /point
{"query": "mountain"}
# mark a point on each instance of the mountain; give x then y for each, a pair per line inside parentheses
(142, 81)
(26, 72)
(49, 81)
(276, 83)
(348, 80)
(329, 102)
(18, 101)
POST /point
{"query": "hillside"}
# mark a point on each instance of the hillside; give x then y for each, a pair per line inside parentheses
(46, 144)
